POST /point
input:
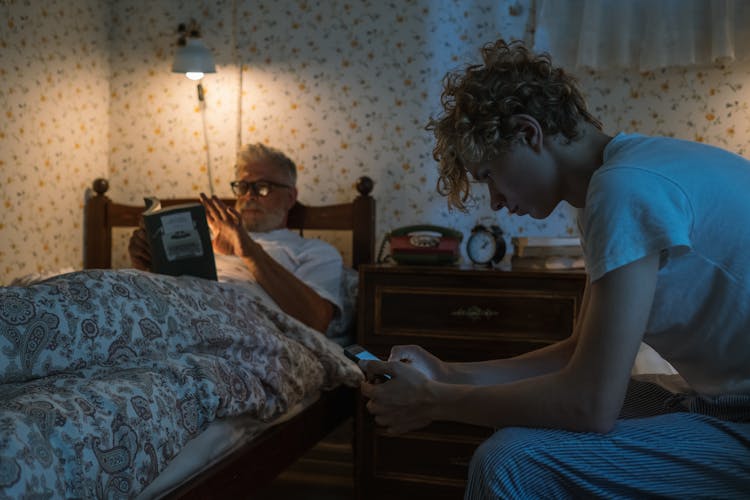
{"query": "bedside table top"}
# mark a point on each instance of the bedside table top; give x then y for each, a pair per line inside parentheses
(467, 270)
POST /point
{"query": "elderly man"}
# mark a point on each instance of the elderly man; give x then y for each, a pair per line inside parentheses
(251, 242)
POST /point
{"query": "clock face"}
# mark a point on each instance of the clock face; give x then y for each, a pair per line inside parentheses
(481, 247)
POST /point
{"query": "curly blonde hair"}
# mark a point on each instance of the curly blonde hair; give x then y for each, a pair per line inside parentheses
(479, 101)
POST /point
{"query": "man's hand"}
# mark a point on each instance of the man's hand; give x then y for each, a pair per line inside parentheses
(420, 359)
(404, 402)
(230, 237)
(140, 249)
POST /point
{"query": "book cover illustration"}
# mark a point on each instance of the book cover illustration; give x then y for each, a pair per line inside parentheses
(180, 239)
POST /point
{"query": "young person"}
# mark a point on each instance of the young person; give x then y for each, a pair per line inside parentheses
(303, 276)
(665, 228)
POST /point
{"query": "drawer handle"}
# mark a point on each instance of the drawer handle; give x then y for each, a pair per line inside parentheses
(460, 461)
(475, 313)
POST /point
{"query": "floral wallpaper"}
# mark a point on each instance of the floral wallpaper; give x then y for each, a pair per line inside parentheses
(344, 87)
(54, 101)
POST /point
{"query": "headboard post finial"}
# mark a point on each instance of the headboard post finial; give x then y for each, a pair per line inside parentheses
(97, 228)
(363, 224)
(364, 185)
(100, 186)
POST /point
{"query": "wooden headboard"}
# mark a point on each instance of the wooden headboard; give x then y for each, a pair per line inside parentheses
(102, 214)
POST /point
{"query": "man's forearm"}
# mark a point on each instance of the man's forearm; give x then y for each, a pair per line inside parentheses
(586, 391)
(542, 361)
(290, 293)
(548, 401)
(548, 359)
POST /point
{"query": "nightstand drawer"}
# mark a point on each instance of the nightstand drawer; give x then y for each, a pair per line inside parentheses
(427, 456)
(436, 312)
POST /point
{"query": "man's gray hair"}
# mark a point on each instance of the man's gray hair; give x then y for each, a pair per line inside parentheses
(255, 153)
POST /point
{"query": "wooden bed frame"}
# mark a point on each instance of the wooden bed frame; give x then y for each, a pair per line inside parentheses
(256, 464)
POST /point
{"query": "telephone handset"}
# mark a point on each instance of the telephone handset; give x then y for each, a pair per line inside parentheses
(423, 244)
(427, 228)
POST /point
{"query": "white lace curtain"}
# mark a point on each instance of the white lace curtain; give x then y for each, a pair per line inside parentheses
(642, 34)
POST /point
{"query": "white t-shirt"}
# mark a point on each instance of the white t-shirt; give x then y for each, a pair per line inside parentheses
(690, 203)
(315, 262)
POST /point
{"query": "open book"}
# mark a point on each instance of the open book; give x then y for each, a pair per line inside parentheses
(180, 239)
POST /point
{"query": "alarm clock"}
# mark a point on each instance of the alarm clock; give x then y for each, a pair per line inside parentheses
(485, 246)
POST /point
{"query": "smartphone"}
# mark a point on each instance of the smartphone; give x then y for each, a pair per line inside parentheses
(355, 352)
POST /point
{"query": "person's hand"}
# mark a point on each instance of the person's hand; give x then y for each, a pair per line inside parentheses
(420, 359)
(139, 249)
(402, 403)
(230, 238)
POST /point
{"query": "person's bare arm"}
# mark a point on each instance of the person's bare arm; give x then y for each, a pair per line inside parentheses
(548, 359)
(586, 394)
(291, 294)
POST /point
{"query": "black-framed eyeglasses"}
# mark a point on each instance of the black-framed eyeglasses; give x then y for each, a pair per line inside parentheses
(258, 188)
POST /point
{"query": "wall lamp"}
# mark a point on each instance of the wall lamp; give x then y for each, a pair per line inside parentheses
(192, 58)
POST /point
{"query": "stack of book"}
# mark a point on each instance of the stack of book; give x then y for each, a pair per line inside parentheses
(547, 253)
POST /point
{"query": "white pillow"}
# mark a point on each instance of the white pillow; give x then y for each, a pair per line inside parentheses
(649, 361)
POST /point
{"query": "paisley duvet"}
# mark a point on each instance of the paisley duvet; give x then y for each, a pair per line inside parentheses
(105, 375)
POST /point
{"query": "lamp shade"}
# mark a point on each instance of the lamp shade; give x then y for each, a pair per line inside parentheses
(193, 58)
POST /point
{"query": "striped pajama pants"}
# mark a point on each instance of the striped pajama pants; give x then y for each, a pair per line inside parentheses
(663, 446)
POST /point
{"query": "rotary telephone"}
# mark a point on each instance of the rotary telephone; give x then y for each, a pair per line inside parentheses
(422, 244)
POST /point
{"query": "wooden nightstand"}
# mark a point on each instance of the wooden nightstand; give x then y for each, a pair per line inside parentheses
(458, 315)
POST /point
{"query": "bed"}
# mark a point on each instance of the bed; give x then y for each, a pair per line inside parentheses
(294, 388)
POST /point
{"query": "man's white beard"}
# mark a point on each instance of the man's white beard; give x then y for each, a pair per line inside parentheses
(264, 224)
